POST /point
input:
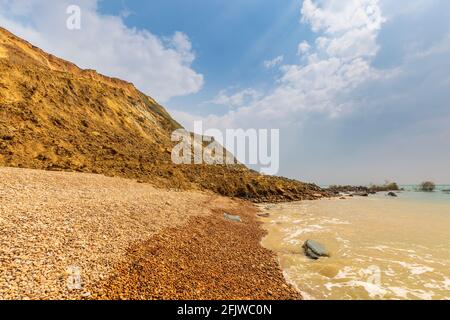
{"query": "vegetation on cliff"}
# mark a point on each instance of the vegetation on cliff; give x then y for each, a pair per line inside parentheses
(388, 186)
(427, 186)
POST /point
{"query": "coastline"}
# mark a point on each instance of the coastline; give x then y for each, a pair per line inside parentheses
(84, 236)
(207, 258)
(381, 247)
(131, 241)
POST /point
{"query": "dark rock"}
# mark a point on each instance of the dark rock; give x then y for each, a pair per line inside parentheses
(7, 137)
(263, 215)
(362, 194)
(315, 250)
(233, 218)
(392, 194)
(310, 254)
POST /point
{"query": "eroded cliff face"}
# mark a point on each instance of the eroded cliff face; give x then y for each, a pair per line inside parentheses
(56, 116)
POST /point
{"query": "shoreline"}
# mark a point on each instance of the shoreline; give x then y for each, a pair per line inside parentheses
(128, 240)
(371, 257)
(207, 258)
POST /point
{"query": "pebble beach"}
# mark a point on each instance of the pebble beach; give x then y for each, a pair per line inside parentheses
(77, 236)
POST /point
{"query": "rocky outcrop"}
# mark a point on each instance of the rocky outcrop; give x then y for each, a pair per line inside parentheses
(315, 250)
(362, 190)
(347, 189)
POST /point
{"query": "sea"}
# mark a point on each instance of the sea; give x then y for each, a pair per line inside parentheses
(382, 248)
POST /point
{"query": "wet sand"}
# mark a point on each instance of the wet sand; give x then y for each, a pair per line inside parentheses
(382, 248)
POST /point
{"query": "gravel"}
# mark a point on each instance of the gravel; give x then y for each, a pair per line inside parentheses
(209, 258)
(83, 236)
(63, 230)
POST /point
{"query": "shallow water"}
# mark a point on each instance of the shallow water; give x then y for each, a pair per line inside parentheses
(382, 248)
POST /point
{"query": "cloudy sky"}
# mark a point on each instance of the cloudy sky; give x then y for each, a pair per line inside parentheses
(360, 89)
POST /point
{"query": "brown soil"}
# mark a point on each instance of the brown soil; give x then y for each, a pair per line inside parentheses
(55, 116)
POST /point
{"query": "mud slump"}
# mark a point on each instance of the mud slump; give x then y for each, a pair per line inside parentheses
(381, 248)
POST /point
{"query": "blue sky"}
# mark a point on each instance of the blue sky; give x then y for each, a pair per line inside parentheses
(231, 39)
(360, 89)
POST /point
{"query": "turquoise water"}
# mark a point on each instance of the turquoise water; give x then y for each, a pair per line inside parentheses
(425, 197)
(438, 195)
(410, 193)
(414, 187)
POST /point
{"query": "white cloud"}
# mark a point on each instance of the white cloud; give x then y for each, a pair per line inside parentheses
(339, 62)
(237, 99)
(269, 64)
(346, 117)
(333, 16)
(350, 27)
(159, 66)
(303, 48)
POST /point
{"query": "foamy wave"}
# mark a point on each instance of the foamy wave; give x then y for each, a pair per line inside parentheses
(440, 285)
(381, 248)
(344, 273)
(404, 293)
(295, 233)
(400, 292)
(384, 248)
(415, 269)
(290, 280)
(374, 291)
(335, 221)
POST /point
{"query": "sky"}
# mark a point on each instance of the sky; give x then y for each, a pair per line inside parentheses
(359, 89)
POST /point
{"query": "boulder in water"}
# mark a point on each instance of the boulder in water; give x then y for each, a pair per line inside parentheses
(361, 194)
(315, 250)
(392, 194)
